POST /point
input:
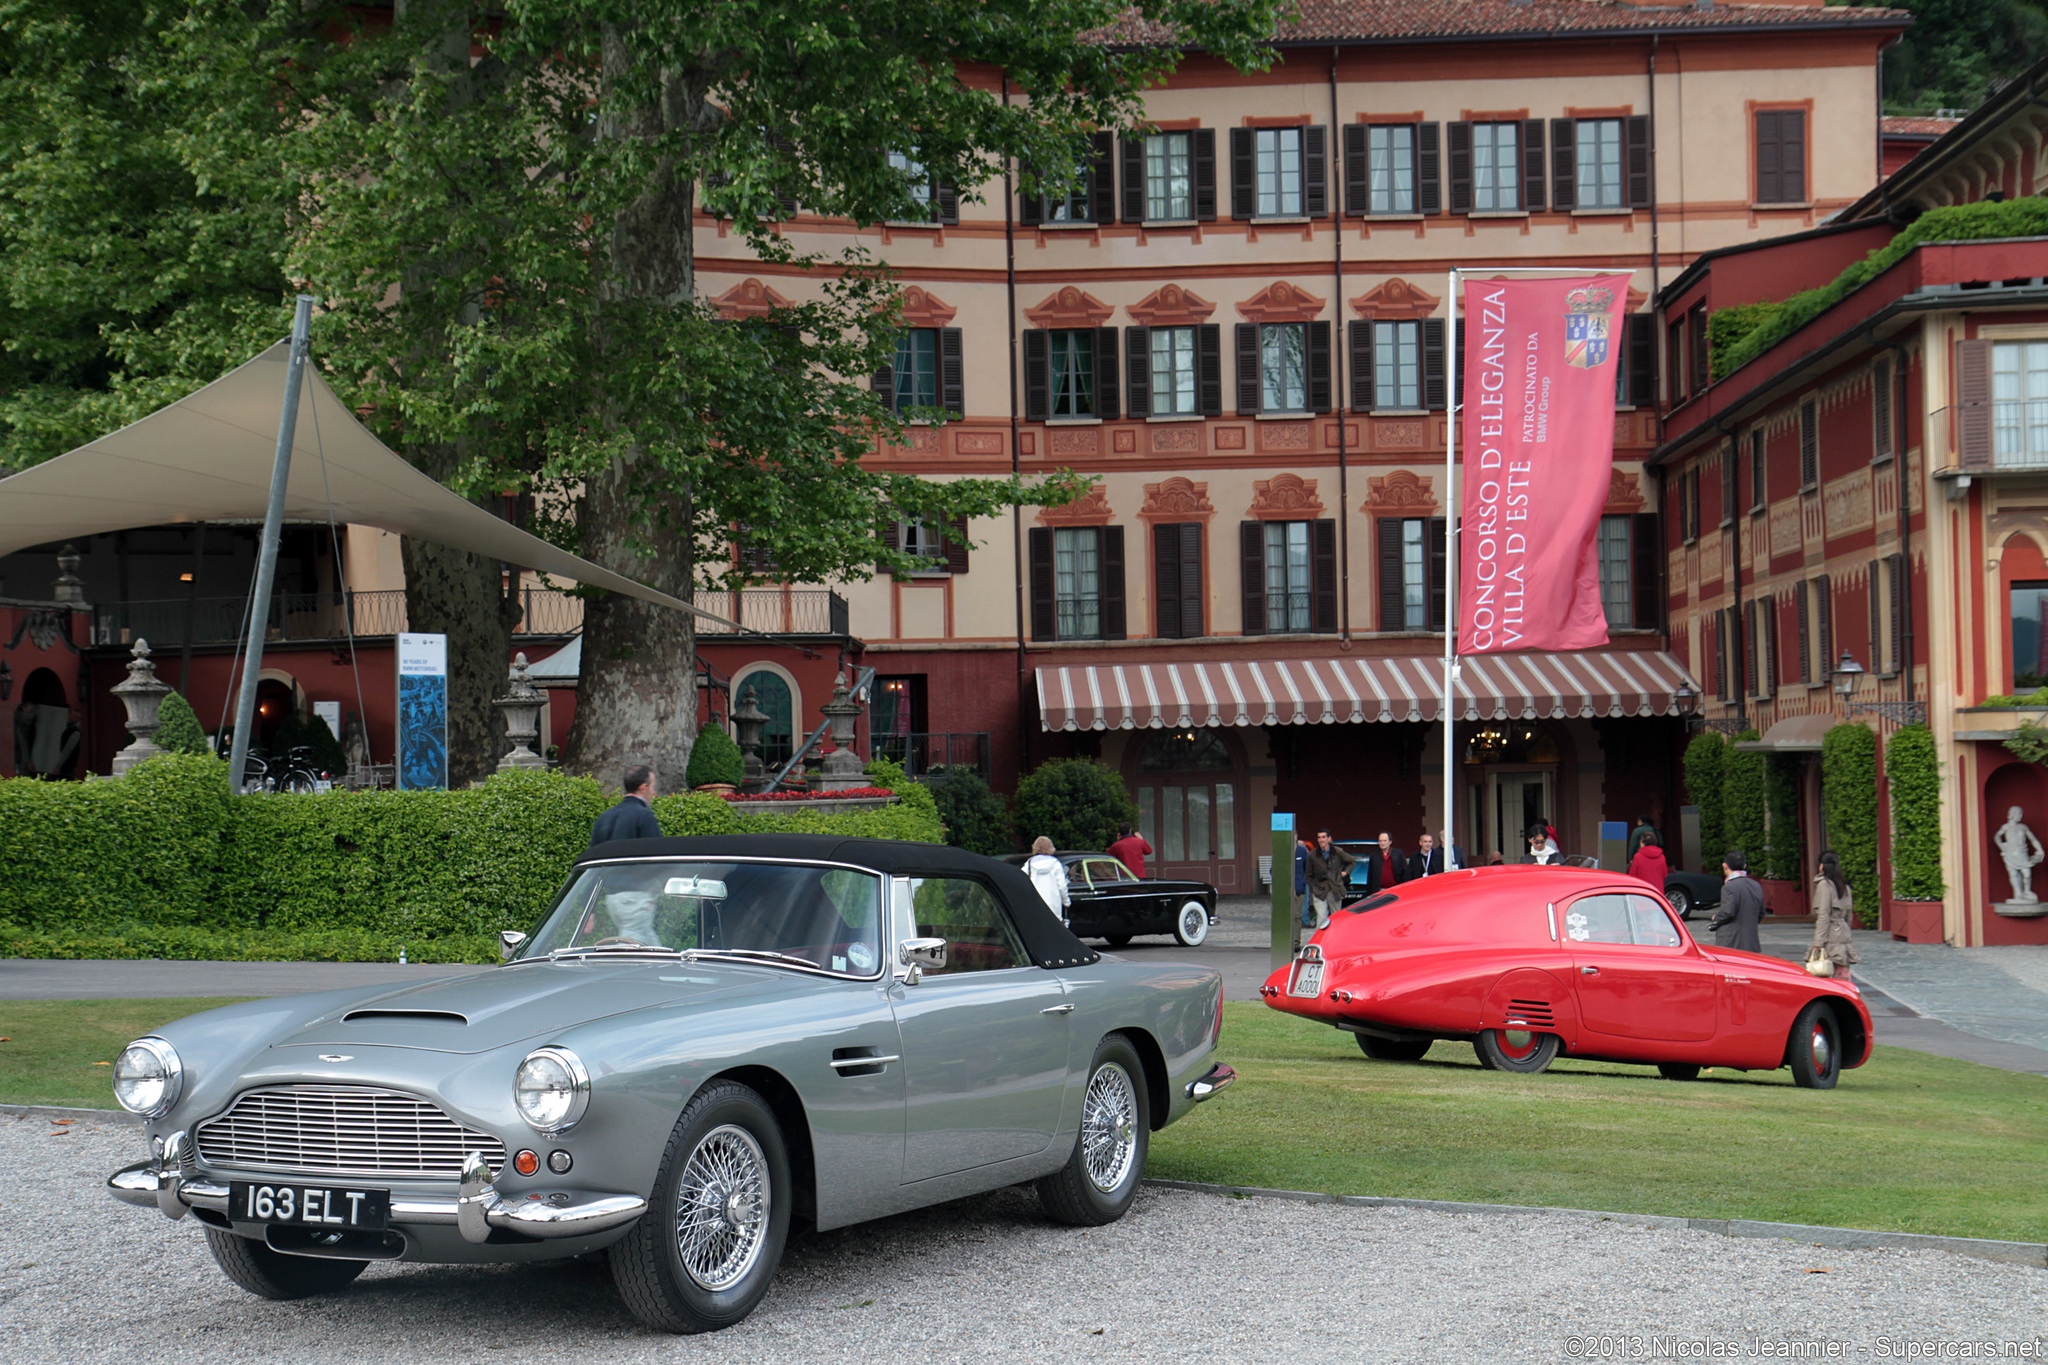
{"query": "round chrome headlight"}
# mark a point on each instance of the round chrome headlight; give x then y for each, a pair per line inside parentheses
(551, 1089)
(148, 1077)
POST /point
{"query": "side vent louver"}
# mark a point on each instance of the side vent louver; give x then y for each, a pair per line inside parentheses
(1530, 1012)
(404, 1016)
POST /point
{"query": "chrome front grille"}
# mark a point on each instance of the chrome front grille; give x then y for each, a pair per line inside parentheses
(350, 1130)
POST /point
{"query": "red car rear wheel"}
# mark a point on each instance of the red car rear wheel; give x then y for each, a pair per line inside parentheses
(1517, 1050)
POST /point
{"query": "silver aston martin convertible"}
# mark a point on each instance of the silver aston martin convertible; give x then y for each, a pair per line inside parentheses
(700, 1040)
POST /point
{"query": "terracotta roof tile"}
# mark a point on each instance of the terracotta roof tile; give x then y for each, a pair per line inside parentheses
(1324, 21)
(1918, 127)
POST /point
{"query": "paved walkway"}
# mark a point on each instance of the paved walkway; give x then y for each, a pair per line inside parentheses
(1987, 1005)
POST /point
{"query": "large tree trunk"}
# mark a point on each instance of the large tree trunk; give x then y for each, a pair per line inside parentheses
(636, 694)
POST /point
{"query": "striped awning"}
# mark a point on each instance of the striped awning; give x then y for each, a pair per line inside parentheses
(1349, 691)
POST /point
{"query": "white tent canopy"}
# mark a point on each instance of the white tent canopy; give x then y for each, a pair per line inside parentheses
(208, 457)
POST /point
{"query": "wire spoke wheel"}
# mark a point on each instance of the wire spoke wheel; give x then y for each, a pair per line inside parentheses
(722, 1207)
(1109, 1120)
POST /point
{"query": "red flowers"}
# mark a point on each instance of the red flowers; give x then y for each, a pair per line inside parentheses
(807, 796)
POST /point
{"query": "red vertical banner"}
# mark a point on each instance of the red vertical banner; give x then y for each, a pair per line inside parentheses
(1538, 446)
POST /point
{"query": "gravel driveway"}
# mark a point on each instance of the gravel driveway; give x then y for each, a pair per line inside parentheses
(1183, 1277)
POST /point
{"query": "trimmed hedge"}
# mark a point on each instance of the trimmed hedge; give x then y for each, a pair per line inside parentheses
(1076, 802)
(1848, 767)
(1754, 328)
(177, 730)
(977, 819)
(1745, 803)
(1914, 773)
(715, 757)
(165, 863)
(1704, 759)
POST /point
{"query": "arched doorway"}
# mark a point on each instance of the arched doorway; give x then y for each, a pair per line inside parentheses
(1190, 789)
(774, 698)
(46, 736)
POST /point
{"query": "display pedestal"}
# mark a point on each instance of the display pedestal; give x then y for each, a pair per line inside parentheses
(2020, 909)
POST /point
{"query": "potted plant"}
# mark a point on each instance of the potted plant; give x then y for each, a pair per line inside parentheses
(1914, 775)
(715, 763)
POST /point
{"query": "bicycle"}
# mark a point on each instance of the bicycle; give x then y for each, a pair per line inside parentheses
(293, 773)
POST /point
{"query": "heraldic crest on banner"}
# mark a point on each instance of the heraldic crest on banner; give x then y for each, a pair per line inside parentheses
(1586, 322)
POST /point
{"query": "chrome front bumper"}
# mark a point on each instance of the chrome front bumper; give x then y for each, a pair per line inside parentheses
(476, 1209)
(1213, 1080)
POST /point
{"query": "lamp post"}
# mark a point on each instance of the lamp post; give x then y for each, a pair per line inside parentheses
(1848, 674)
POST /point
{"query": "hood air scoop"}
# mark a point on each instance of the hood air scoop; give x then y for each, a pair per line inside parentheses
(404, 1016)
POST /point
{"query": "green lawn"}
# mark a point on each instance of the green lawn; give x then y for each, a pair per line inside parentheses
(53, 1045)
(1907, 1142)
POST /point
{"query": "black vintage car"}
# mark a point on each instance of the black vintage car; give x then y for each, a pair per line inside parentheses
(1109, 903)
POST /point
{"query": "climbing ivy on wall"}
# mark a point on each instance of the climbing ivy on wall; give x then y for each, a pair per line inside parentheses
(1703, 760)
(1745, 801)
(1848, 774)
(1914, 774)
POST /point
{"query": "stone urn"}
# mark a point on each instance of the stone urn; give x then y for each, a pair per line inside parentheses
(841, 769)
(143, 694)
(521, 706)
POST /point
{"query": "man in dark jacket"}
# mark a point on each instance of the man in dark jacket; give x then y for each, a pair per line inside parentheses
(1329, 877)
(1387, 866)
(633, 817)
(1742, 905)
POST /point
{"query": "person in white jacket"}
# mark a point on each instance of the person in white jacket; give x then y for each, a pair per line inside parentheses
(1049, 875)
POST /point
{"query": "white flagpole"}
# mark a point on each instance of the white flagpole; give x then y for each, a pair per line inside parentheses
(1451, 569)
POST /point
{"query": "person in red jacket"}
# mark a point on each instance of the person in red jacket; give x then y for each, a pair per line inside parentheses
(1131, 850)
(1648, 864)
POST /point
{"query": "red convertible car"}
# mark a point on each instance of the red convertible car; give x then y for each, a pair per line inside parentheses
(1528, 963)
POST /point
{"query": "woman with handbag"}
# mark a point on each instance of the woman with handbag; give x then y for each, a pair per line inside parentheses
(1833, 951)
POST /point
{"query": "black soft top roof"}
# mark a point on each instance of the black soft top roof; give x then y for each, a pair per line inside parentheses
(1050, 943)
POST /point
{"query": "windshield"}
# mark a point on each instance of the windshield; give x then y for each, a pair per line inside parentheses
(819, 916)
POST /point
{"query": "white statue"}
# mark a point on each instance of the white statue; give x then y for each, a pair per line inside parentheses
(2022, 852)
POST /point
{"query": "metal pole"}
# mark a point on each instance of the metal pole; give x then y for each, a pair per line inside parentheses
(1449, 715)
(266, 558)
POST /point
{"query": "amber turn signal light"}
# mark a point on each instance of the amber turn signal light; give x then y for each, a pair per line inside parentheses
(525, 1162)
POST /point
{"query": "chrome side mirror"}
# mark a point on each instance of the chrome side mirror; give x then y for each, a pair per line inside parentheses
(919, 953)
(508, 943)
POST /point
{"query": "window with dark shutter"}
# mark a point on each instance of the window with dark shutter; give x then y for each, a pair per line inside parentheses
(1243, 174)
(1647, 549)
(1564, 164)
(1824, 624)
(1106, 375)
(952, 373)
(1323, 574)
(1138, 370)
(1805, 629)
(956, 548)
(1134, 179)
(1037, 375)
(1719, 651)
(1205, 175)
(1247, 369)
(1759, 472)
(1460, 150)
(1357, 175)
(1636, 386)
(1535, 175)
(1674, 362)
(1873, 596)
(1361, 366)
(1392, 585)
(1881, 410)
(1895, 583)
(1177, 579)
(1102, 177)
(1781, 156)
(1768, 625)
(1809, 445)
(1209, 367)
(1694, 529)
(1731, 468)
(1319, 395)
(1114, 626)
(1044, 616)
(1252, 575)
(1438, 545)
(948, 200)
(1636, 150)
(1433, 364)
(1749, 650)
(1973, 405)
(1315, 171)
(884, 385)
(1696, 348)
(1429, 195)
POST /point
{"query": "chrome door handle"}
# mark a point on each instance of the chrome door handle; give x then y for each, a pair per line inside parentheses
(844, 1063)
(1059, 1009)
(1589, 971)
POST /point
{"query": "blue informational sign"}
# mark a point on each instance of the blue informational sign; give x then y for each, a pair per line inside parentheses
(422, 712)
(1282, 823)
(1614, 829)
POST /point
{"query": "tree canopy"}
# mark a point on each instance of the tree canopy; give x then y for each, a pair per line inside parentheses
(494, 206)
